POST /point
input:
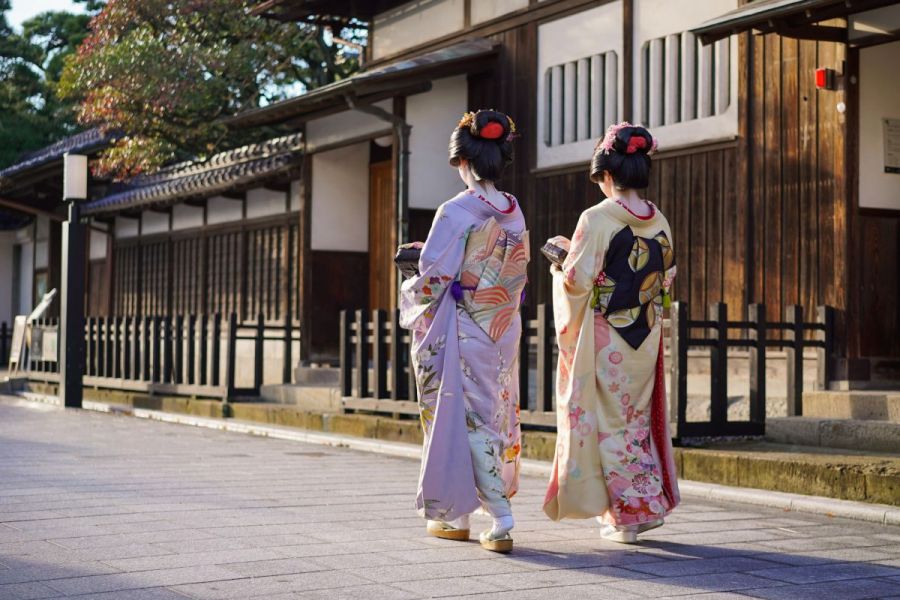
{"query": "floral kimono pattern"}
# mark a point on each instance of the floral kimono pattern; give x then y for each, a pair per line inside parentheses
(463, 314)
(614, 452)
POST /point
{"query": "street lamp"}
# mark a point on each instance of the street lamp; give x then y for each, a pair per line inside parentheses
(71, 364)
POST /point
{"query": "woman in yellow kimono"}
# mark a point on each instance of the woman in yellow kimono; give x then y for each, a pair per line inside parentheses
(614, 453)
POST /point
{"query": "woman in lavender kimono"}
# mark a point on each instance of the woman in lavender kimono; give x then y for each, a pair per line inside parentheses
(614, 454)
(463, 312)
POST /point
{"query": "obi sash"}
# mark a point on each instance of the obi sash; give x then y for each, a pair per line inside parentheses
(493, 276)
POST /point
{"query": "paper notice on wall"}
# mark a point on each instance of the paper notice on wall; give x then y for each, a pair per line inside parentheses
(891, 145)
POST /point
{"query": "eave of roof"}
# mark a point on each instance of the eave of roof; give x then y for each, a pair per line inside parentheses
(85, 142)
(222, 172)
(780, 16)
(396, 76)
(302, 9)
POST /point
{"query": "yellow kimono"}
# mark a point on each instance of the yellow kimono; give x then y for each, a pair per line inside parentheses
(613, 452)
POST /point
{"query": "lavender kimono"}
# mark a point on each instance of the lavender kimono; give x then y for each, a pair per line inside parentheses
(463, 313)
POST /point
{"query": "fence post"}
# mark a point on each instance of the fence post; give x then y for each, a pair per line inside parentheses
(259, 352)
(718, 312)
(178, 340)
(399, 383)
(362, 354)
(524, 365)
(145, 348)
(110, 348)
(379, 353)
(167, 372)
(156, 375)
(825, 356)
(216, 360)
(126, 347)
(288, 354)
(192, 349)
(346, 352)
(230, 358)
(4, 345)
(204, 349)
(678, 382)
(793, 317)
(88, 346)
(117, 343)
(544, 400)
(758, 335)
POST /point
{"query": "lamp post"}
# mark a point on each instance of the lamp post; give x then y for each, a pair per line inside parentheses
(71, 364)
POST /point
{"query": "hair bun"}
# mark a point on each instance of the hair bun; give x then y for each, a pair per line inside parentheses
(634, 139)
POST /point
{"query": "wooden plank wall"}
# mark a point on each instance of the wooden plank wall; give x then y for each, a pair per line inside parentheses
(248, 268)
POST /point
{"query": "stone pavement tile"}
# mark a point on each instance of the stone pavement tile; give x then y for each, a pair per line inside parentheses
(262, 541)
(716, 515)
(826, 556)
(819, 543)
(693, 584)
(282, 566)
(26, 518)
(826, 572)
(215, 544)
(156, 593)
(364, 592)
(130, 581)
(674, 568)
(147, 537)
(355, 561)
(27, 591)
(413, 572)
(35, 571)
(709, 596)
(728, 537)
(572, 592)
(363, 535)
(560, 578)
(193, 559)
(448, 587)
(263, 587)
(537, 560)
(857, 589)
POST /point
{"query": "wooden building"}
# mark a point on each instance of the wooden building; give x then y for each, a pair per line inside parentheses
(775, 188)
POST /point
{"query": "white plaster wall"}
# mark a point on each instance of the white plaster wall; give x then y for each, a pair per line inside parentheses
(340, 199)
(97, 249)
(154, 222)
(125, 227)
(26, 274)
(296, 190)
(263, 203)
(433, 115)
(415, 23)
(223, 210)
(41, 254)
(883, 20)
(484, 10)
(346, 125)
(879, 98)
(576, 36)
(658, 18)
(7, 241)
(185, 216)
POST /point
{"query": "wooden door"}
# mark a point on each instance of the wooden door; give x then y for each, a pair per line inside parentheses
(382, 224)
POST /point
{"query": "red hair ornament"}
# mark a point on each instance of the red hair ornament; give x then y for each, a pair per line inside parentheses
(491, 131)
(636, 142)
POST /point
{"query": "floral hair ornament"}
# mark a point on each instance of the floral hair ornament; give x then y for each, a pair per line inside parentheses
(491, 131)
(467, 120)
(638, 141)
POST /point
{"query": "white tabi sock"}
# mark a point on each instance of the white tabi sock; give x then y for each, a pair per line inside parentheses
(502, 526)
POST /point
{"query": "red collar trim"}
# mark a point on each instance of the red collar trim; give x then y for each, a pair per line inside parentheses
(637, 216)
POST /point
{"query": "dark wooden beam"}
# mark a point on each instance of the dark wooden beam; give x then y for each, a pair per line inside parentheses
(30, 210)
(820, 33)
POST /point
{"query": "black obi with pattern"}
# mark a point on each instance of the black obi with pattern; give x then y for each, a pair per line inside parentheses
(629, 291)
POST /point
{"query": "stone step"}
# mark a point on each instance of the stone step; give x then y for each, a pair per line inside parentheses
(317, 376)
(325, 398)
(850, 434)
(860, 405)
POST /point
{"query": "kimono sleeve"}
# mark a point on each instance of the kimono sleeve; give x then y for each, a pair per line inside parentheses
(439, 266)
(573, 283)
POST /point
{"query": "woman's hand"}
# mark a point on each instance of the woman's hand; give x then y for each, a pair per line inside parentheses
(417, 245)
(560, 241)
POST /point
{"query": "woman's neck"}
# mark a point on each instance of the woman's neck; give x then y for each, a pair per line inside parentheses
(487, 189)
(634, 203)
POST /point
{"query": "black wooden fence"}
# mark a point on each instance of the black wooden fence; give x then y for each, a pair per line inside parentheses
(194, 355)
(376, 376)
(5, 340)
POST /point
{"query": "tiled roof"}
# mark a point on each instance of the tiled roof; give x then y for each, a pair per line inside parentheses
(219, 173)
(86, 141)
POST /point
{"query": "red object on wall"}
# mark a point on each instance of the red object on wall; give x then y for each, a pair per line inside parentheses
(825, 79)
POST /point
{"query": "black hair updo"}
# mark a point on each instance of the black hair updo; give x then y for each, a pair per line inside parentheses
(484, 139)
(624, 152)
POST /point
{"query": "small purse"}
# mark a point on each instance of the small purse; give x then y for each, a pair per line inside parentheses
(407, 260)
(554, 253)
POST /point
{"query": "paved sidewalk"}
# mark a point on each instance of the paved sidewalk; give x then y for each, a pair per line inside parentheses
(103, 506)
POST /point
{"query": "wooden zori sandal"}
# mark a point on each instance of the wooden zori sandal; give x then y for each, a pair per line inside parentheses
(445, 531)
(503, 544)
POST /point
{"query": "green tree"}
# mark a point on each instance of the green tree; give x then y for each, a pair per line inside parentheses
(167, 72)
(32, 114)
